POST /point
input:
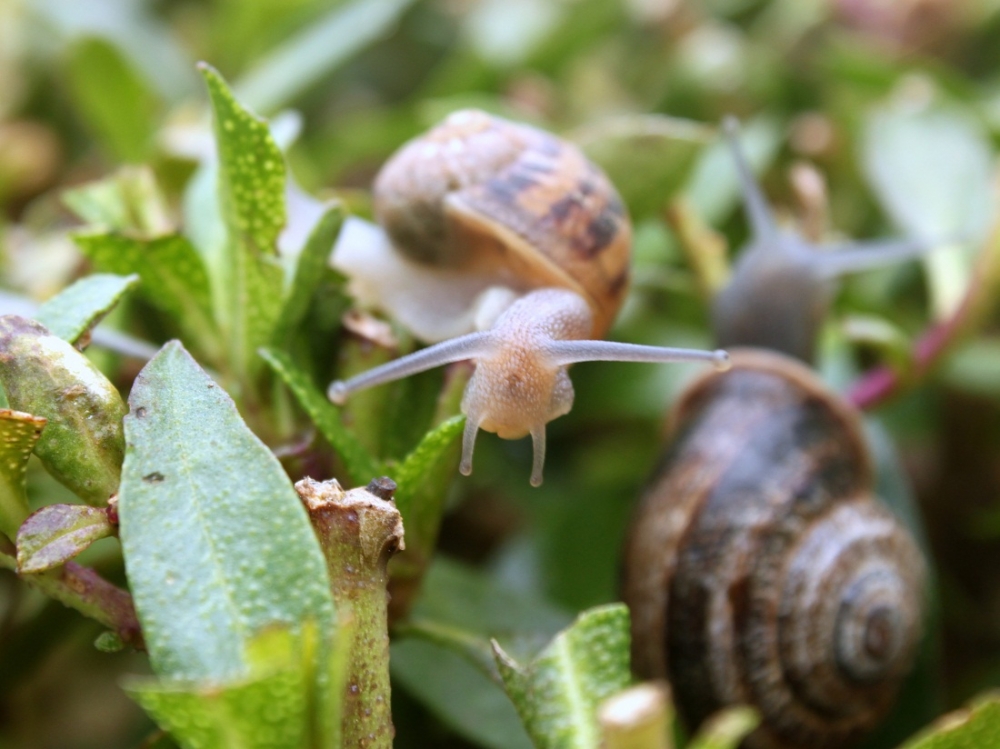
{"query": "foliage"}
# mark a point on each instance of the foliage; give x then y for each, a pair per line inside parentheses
(146, 205)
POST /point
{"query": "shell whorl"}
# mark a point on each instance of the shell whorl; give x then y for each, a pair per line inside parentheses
(762, 571)
(478, 190)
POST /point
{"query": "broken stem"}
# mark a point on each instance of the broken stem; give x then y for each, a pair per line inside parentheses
(359, 531)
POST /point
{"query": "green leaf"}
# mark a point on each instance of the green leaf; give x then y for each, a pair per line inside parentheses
(217, 544)
(252, 196)
(113, 99)
(558, 692)
(422, 480)
(82, 445)
(55, 534)
(293, 697)
(77, 309)
(459, 596)
(128, 201)
(305, 59)
(647, 157)
(976, 727)
(18, 434)
(309, 269)
(460, 695)
(173, 278)
(444, 658)
(932, 172)
(361, 466)
(269, 712)
(726, 729)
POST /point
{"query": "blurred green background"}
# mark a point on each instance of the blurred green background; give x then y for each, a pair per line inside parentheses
(864, 118)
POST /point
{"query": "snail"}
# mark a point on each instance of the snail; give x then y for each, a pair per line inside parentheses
(750, 311)
(505, 245)
(760, 568)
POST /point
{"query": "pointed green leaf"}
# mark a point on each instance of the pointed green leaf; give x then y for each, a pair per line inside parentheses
(217, 544)
(310, 267)
(726, 729)
(976, 727)
(114, 100)
(18, 434)
(422, 480)
(82, 445)
(252, 177)
(300, 63)
(173, 277)
(55, 534)
(77, 309)
(361, 466)
(558, 692)
(128, 201)
(252, 196)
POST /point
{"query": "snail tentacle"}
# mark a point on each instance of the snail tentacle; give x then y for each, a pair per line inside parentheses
(564, 353)
(758, 212)
(471, 346)
(853, 257)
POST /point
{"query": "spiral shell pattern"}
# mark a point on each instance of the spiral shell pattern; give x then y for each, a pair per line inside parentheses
(761, 570)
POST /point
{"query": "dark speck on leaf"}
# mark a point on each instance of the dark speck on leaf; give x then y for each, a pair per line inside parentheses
(140, 412)
(153, 478)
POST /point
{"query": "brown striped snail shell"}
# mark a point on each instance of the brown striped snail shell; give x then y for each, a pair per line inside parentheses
(507, 246)
(762, 570)
(479, 191)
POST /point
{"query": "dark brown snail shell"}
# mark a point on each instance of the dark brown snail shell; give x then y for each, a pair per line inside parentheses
(762, 570)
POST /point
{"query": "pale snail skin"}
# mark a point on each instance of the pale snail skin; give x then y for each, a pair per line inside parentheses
(760, 568)
(486, 209)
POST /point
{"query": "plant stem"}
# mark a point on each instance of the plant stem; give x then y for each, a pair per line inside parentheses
(81, 588)
(359, 531)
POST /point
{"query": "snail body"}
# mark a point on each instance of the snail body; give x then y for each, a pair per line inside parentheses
(762, 570)
(782, 285)
(502, 244)
(760, 567)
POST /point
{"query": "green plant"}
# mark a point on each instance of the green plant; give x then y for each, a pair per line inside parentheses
(228, 574)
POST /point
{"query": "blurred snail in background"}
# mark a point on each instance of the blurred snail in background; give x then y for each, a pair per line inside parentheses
(505, 245)
(782, 285)
(760, 568)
